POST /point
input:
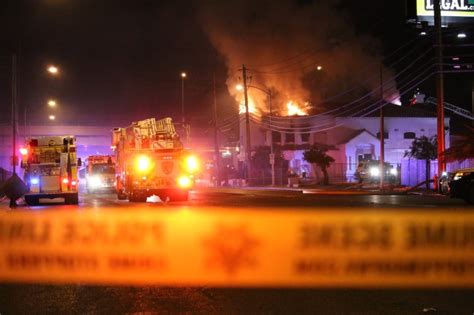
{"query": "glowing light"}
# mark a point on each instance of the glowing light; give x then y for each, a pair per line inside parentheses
(53, 69)
(192, 164)
(65, 181)
(143, 163)
(251, 104)
(74, 183)
(23, 151)
(294, 109)
(319, 68)
(422, 33)
(184, 182)
(462, 35)
(393, 171)
(374, 171)
(94, 181)
(183, 75)
(239, 87)
(34, 181)
(52, 103)
(52, 117)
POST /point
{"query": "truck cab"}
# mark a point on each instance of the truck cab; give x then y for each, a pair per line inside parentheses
(100, 173)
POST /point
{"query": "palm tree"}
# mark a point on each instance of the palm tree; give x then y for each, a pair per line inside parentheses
(424, 148)
(317, 157)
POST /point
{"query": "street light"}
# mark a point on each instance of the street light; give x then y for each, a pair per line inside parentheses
(319, 68)
(240, 87)
(52, 103)
(53, 70)
(52, 117)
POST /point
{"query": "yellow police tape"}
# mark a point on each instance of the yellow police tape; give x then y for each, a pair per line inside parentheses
(231, 247)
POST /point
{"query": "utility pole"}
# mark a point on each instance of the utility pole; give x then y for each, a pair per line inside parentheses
(247, 125)
(14, 105)
(382, 131)
(272, 153)
(216, 138)
(439, 87)
(183, 120)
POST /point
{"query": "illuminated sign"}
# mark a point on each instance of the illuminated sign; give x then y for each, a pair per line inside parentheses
(452, 11)
(253, 248)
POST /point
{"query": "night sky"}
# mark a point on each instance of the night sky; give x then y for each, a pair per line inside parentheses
(121, 60)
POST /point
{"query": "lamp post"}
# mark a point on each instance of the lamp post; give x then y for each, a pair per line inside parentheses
(183, 77)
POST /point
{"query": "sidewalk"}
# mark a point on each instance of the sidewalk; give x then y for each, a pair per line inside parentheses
(343, 189)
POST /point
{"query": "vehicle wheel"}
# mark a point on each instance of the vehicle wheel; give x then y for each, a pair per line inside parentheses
(179, 196)
(31, 200)
(470, 195)
(72, 199)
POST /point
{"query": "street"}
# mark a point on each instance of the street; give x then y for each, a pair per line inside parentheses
(79, 298)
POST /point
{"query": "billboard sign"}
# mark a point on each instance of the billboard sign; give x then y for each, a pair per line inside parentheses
(452, 11)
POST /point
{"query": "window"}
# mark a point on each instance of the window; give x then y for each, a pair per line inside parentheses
(305, 137)
(409, 135)
(290, 138)
(276, 137)
(385, 135)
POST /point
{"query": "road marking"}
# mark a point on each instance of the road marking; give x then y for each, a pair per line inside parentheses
(232, 247)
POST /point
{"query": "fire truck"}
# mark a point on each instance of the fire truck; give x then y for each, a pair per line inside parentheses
(50, 168)
(100, 173)
(151, 160)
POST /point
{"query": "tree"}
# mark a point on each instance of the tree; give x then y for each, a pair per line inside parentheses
(317, 157)
(424, 148)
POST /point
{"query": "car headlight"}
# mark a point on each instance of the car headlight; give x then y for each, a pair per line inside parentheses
(94, 181)
(374, 171)
(393, 171)
(184, 182)
(192, 164)
(460, 175)
(143, 163)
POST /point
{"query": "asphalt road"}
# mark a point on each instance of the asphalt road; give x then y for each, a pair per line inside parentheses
(79, 299)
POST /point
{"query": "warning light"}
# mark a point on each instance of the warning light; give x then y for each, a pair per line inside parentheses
(143, 163)
(23, 151)
(34, 181)
(65, 181)
(192, 164)
(73, 183)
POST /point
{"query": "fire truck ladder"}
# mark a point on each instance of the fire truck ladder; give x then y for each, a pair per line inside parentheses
(453, 108)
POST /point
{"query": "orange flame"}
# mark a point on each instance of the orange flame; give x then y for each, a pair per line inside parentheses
(294, 109)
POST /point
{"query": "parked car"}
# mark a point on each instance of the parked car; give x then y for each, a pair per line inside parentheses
(461, 185)
(369, 172)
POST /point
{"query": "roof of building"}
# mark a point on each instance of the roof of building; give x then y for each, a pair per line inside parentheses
(349, 136)
(418, 110)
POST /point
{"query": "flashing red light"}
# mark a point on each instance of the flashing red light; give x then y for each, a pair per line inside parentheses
(23, 151)
(65, 181)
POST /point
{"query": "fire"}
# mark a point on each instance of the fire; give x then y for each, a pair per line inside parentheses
(294, 109)
(252, 107)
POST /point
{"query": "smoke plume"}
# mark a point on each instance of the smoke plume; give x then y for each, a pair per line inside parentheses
(282, 43)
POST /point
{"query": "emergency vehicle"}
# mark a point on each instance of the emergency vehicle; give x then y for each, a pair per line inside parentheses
(100, 173)
(151, 160)
(50, 168)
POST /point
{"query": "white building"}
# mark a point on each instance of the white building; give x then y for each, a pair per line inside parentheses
(348, 139)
